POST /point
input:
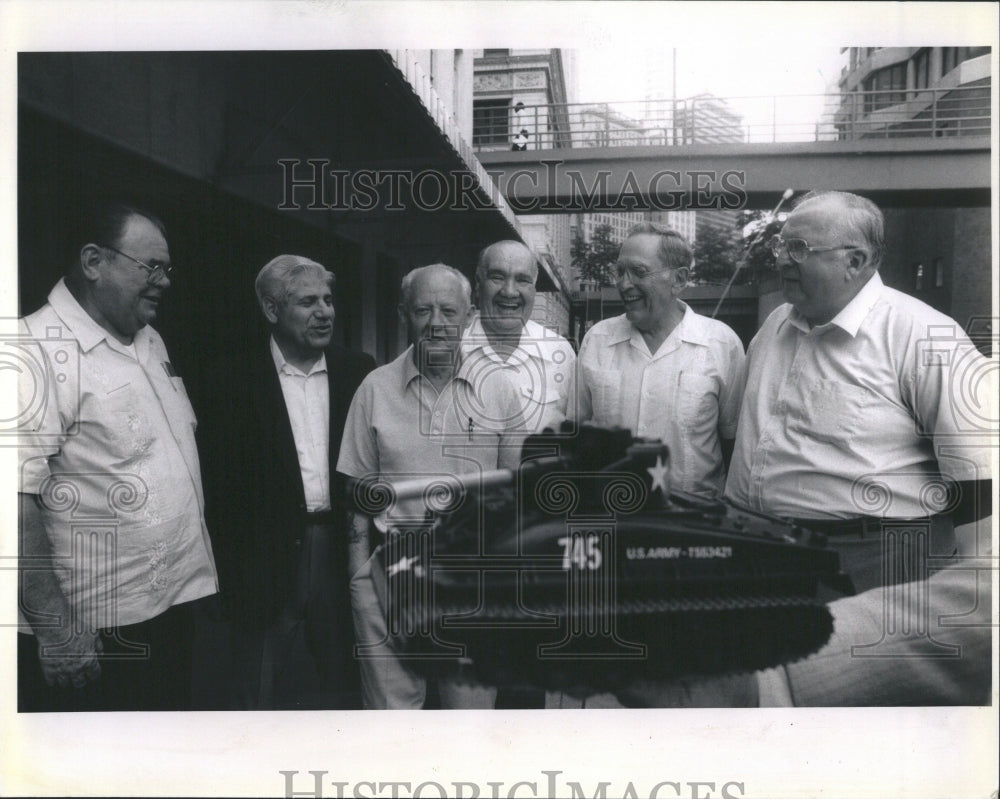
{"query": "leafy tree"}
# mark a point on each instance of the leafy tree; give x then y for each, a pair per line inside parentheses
(743, 250)
(717, 252)
(757, 229)
(594, 260)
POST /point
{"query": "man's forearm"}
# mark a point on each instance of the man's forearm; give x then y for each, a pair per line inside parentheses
(67, 650)
(42, 602)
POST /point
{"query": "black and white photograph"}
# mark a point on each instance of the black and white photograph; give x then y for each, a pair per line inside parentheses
(610, 389)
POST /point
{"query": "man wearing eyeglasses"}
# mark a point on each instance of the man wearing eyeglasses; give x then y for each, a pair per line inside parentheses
(115, 554)
(859, 417)
(660, 369)
(663, 372)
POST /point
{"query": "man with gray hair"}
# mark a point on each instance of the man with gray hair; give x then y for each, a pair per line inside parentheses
(538, 362)
(424, 414)
(859, 414)
(660, 369)
(275, 501)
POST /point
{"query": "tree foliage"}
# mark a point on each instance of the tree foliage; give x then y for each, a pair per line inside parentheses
(719, 253)
(594, 260)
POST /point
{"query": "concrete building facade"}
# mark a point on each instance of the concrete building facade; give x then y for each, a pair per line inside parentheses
(249, 155)
(519, 101)
(940, 255)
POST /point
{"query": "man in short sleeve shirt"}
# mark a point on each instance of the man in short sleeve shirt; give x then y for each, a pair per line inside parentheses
(660, 369)
(859, 417)
(114, 548)
(425, 414)
(502, 336)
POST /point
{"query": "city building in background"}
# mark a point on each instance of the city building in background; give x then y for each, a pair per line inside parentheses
(250, 154)
(940, 255)
(890, 92)
(246, 155)
(520, 96)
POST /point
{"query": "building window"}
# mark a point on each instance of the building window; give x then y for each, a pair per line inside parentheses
(490, 122)
(951, 57)
(922, 69)
(885, 87)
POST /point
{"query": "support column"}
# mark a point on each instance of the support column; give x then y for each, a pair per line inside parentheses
(369, 320)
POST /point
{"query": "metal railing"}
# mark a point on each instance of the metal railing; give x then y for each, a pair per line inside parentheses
(705, 119)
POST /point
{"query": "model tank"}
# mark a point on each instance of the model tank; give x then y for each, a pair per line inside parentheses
(583, 570)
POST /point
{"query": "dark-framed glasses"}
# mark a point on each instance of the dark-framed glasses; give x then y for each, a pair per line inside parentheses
(153, 273)
(798, 249)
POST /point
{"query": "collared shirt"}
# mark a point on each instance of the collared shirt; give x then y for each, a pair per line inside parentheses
(307, 400)
(400, 428)
(108, 442)
(861, 415)
(539, 368)
(687, 393)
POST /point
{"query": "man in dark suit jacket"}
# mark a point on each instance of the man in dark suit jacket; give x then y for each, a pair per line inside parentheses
(277, 514)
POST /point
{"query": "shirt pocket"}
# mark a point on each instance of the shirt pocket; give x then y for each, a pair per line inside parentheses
(181, 402)
(126, 431)
(605, 395)
(834, 411)
(697, 400)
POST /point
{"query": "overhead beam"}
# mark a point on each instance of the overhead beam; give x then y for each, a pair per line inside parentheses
(897, 172)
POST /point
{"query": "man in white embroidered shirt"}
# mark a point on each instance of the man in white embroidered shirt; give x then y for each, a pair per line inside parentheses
(858, 417)
(536, 361)
(115, 554)
(661, 370)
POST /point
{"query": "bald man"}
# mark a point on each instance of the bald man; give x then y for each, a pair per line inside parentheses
(537, 361)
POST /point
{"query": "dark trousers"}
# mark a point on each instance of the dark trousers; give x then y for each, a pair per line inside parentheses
(303, 659)
(144, 666)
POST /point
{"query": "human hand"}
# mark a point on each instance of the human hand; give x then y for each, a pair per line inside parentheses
(72, 661)
(727, 690)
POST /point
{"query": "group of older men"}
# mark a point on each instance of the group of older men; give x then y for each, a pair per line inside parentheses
(836, 400)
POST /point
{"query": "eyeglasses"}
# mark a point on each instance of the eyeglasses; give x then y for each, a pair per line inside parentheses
(636, 273)
(153, 273)
(798, 249)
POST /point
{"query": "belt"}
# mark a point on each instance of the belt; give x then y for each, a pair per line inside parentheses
(863, 526)
(319, 517)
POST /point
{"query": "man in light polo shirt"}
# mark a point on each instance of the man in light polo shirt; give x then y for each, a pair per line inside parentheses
(114, 551)
(863, 415)
(423, 414)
